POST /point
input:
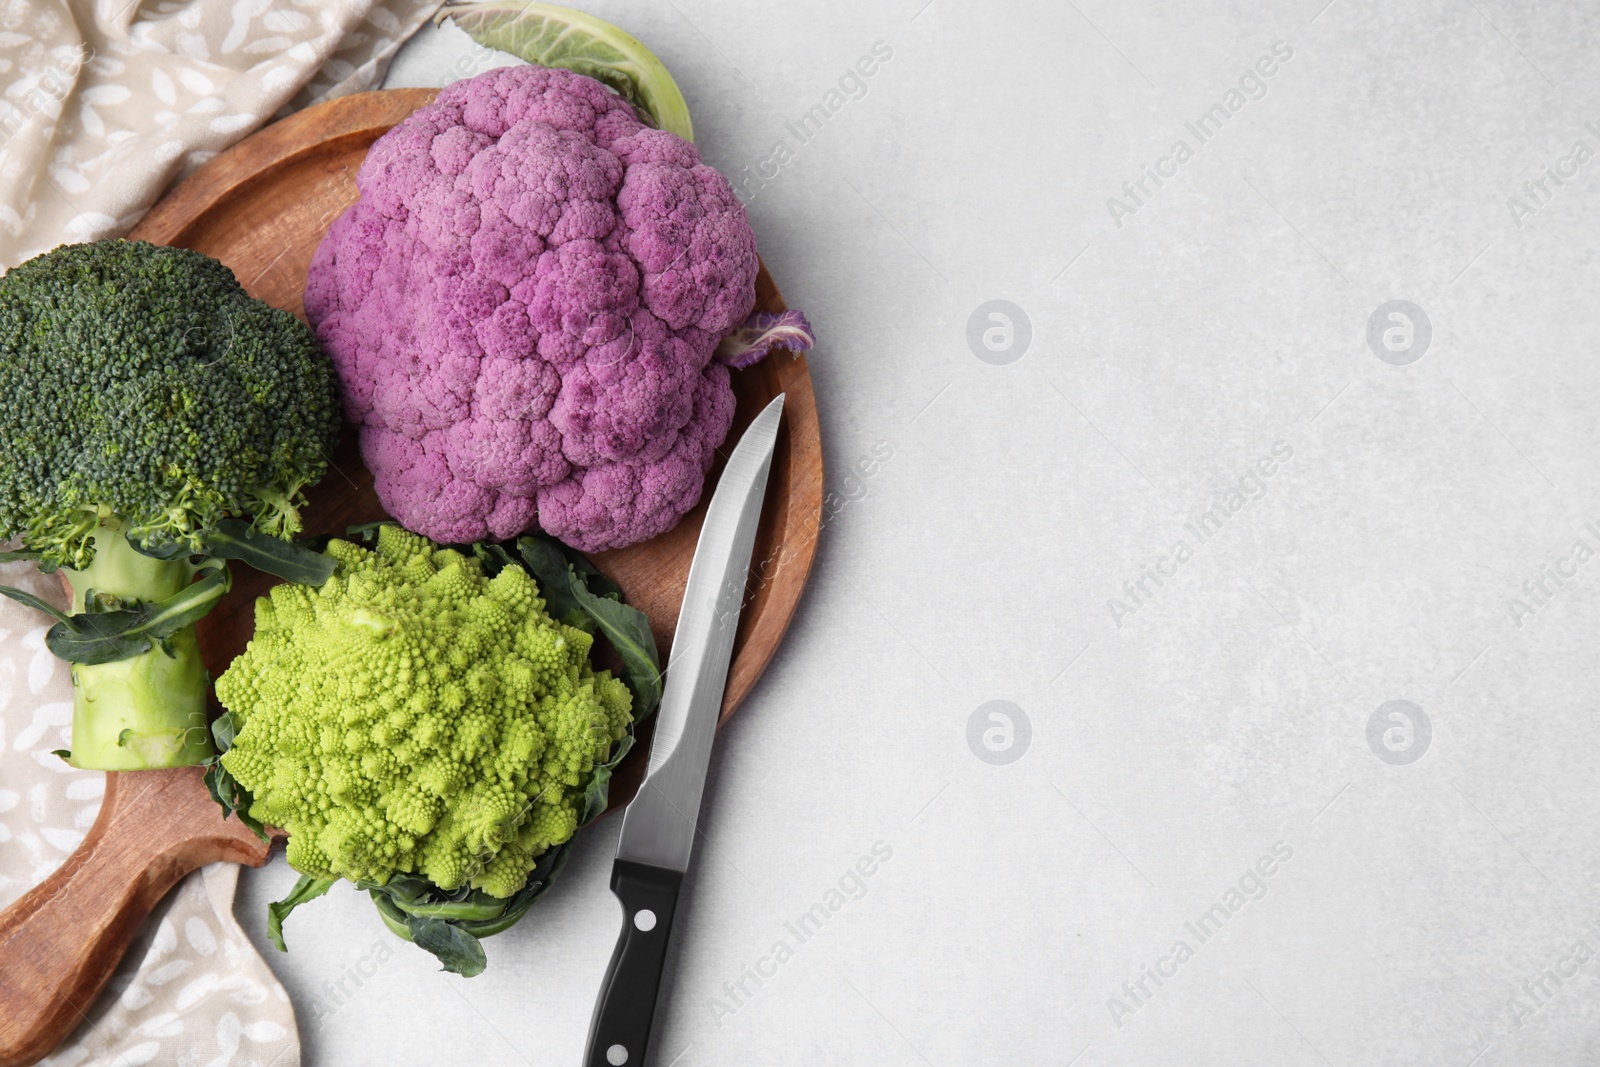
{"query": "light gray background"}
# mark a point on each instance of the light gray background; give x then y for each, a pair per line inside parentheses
(1229, 713)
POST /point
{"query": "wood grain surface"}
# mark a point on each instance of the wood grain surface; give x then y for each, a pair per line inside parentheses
(262, 207)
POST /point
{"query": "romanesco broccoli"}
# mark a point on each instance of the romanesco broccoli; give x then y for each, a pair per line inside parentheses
(414, 717)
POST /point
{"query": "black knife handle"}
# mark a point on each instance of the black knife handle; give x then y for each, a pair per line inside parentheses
(620, 1032)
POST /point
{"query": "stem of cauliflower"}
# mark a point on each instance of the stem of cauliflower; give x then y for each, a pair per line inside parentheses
(147, 711)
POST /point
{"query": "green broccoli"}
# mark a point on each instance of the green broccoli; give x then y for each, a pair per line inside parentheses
(418, 723)
(153, 404)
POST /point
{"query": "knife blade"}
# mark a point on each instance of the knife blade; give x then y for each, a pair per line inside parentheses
(658, 827)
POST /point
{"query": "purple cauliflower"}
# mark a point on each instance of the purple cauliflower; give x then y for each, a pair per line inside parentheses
(523, 306)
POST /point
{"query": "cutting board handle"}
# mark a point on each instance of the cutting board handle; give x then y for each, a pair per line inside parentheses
(61, 941)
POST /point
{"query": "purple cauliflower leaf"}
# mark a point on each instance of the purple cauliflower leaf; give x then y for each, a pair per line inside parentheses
(763, 333)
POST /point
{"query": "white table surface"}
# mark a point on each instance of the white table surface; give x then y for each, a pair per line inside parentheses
(1227, 715)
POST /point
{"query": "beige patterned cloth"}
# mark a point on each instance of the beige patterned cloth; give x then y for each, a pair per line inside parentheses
(103, 103)
(107, 101)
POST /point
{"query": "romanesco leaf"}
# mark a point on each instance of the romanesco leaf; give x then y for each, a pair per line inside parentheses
(307, 888)
(457, 951)
(568, 589)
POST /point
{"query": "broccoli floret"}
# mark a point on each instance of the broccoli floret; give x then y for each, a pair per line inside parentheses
(149, 397)
(148, 387)
(413, 717)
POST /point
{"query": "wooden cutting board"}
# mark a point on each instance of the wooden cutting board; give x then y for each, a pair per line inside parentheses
(262, 207)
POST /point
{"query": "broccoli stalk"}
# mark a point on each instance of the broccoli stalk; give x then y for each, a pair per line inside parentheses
(148, 710)
(160, 420)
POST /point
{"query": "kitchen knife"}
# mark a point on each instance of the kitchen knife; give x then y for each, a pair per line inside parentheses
(658, 827)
